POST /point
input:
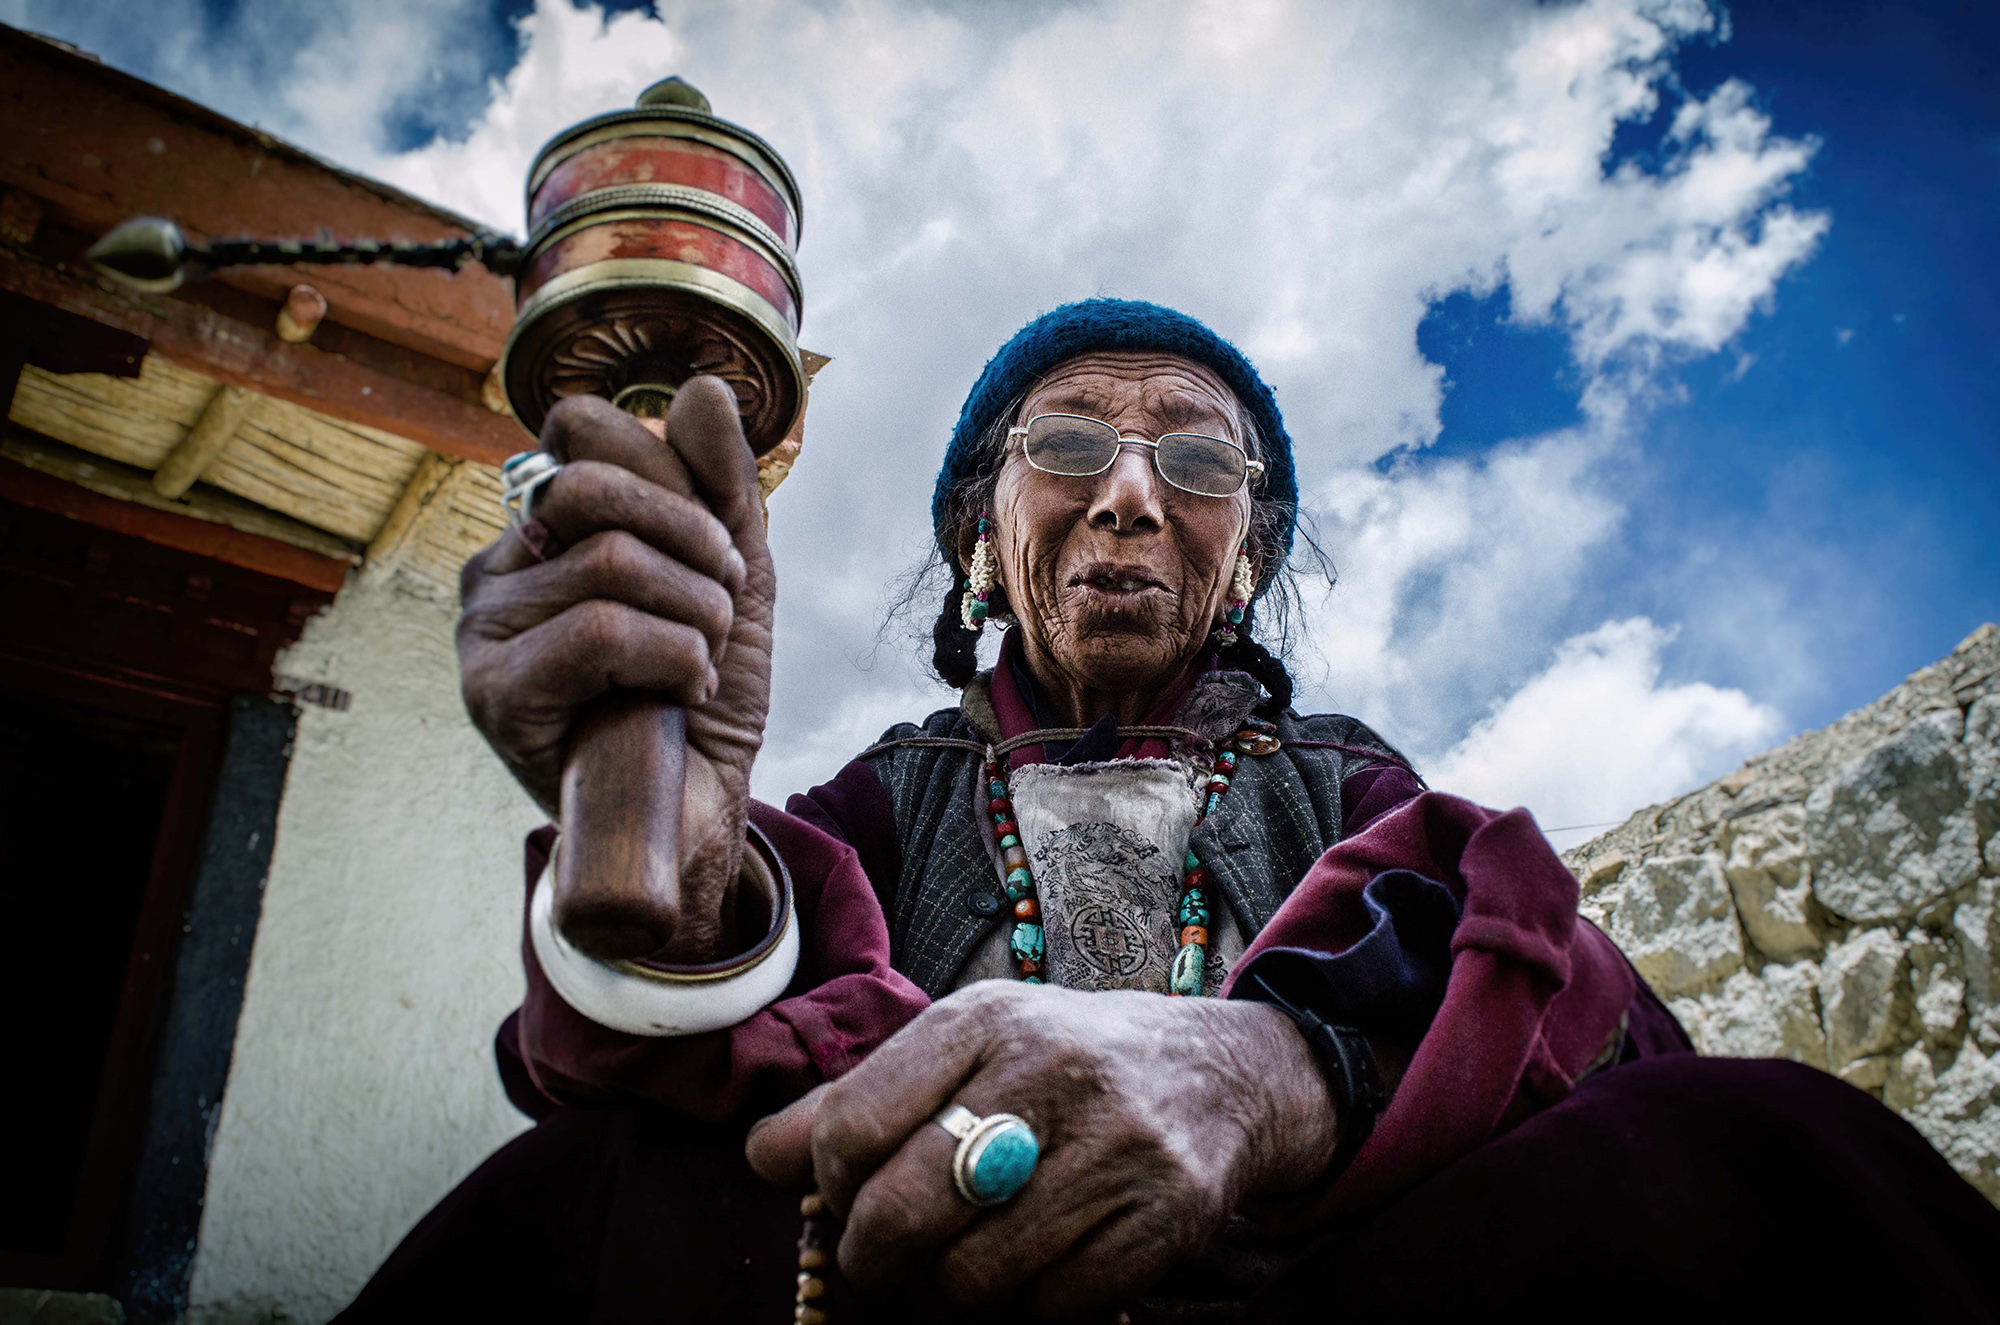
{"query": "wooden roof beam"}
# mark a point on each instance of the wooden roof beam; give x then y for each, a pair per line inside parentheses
(427, 493)
(227, 410)
(255, 358)
(96, 147)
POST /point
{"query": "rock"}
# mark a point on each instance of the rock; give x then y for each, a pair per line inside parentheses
(1674, 919)
(1982, 750)
(1976, 924)
(1961, 1117)
(1862, 863)
(1893, 831)
(1774, 1014)
(1867, 1073)
(1937, 993)
(1766, 871)
(1604, 872)
(1863, 995)
(1911, 1080)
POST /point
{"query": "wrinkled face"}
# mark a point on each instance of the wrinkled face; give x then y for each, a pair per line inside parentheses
(1118, 578)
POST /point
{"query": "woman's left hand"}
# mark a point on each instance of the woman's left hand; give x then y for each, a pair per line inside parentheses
(1156, 1117)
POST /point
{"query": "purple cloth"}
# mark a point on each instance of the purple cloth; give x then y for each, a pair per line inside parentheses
(1535, 996)
(1678, 1189)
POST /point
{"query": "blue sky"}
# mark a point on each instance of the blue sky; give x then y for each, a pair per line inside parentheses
(1641, 352)
(1854, 428)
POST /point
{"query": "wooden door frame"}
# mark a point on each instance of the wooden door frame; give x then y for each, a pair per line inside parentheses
(128, 1061)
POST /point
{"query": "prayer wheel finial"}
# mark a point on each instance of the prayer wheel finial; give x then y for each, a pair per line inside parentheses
(674, 91)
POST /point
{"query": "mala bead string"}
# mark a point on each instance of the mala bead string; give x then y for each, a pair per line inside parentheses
(1241, 586)
(1026, 941)
(1189, 973)
(817, 1239)
(977, 603)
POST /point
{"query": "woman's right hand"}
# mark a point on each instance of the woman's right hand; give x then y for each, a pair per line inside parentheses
(659, 578)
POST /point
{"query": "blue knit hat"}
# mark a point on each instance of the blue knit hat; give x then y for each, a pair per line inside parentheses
(1114, 324)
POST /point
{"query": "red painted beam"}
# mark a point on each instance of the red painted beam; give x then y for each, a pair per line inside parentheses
(98, 146)
(267, 556)
(255, 359)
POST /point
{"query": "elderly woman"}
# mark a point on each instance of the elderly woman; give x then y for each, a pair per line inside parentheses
(1120, 986)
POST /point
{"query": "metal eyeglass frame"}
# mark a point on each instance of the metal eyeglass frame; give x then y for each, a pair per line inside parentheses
(1251, 468)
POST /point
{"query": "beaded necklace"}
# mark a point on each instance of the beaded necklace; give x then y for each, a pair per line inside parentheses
(1190, 966)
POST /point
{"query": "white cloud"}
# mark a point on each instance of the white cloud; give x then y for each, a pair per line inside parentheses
(1307, 176)
(1597, 734)
(1453, 576)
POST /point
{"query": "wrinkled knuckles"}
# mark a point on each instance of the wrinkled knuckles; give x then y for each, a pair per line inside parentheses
(601, 630)
(573, 416)
(615, 558)
(971, 1278)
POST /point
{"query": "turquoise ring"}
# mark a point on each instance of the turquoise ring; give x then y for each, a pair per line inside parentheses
(996, 1154)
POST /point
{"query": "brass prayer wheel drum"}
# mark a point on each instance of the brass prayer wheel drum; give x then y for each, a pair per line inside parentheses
(661, 245)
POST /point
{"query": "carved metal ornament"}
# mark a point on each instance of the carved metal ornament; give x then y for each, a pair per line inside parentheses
(636, 345)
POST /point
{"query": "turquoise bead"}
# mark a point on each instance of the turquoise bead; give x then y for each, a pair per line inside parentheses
(999, 790)
(1194, 913)
(1016, 891)
(1190, 970)
(1009, 841)
(1020, 879)
(1027, 942)
(1004, 1162)
(978, 611)
(1031, 979)
(1190, 863)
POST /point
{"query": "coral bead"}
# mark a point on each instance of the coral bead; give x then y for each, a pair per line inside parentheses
(1027, 909)
(1194, 934)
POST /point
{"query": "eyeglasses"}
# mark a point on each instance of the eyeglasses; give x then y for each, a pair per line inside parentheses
(1075, 446)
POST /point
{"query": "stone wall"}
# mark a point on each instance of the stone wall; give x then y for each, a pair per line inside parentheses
(1833, 902)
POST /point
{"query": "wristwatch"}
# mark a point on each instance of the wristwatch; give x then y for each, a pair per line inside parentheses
(1353, 1079)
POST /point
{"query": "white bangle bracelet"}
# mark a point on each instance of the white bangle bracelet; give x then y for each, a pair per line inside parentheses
(642, 998)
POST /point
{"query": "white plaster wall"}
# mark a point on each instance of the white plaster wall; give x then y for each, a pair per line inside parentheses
(363, 1084)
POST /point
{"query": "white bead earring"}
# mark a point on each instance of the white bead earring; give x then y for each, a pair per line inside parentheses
(979, 581)
(1241, 586)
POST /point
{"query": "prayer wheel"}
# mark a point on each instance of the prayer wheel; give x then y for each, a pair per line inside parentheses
(661, 245)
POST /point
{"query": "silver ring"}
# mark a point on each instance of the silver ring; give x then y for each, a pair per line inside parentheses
(522, 477)
(996, 1154)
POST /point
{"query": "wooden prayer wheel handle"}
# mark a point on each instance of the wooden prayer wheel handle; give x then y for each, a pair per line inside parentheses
(617, 875)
